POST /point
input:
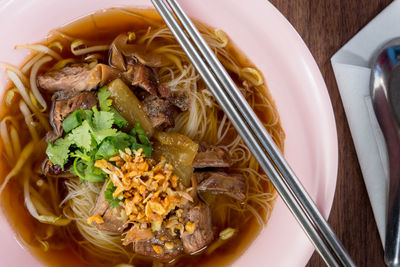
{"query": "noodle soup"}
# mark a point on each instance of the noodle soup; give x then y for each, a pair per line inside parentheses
(55, 210)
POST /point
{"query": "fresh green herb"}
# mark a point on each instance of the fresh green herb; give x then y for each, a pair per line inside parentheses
(91, 136)
(113, 144)
(82, 136)
(72, 121)
(118, 119)
(102, 119)
(104, 101)
(138, 133)
(108, 195)
(93, 174)
(58, 151)
(105, 105)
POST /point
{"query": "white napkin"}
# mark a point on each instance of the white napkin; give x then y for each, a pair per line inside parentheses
(351, 67)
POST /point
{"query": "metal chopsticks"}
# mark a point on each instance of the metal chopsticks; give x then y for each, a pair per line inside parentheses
(254, 134)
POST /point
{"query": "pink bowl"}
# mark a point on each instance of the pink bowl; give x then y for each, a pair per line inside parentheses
(291, 73)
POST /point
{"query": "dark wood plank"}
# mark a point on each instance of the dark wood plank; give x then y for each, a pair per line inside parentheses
(325, 26)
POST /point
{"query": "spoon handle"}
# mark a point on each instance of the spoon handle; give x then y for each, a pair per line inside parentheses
(389, 126)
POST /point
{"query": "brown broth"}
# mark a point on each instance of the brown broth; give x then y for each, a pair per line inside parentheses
(102, 27)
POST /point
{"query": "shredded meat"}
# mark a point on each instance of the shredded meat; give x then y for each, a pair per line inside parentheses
(77, 78)
(62, 107)
(160, 111)
(202, 235)
(232, 185)
(211, 156)
(115, 219)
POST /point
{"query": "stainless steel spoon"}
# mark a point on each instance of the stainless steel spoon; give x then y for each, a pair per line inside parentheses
(385, 93)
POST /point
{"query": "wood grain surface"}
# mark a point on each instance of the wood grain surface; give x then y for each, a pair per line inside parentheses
(325, 26)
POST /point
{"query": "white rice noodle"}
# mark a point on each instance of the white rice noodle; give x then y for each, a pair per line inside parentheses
(80, 201)
(163, 32)
(33, 78)
(221, 133)
(233, 144)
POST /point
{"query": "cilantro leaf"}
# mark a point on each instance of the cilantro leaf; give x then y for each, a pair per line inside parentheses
(105, 105)
(118, 119)
(138, 133)
(72, 121)
(87, 114)
(146, 149)
(103, 96)
(108, 195)
(141, 134)
(112, 145)
(107, 149)
(102, 134)
(102, 120)
(58, 151)
(82, 137)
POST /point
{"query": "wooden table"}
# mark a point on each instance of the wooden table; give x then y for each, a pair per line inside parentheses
(325, 26)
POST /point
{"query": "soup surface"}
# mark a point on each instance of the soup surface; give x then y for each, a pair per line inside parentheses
(25, 132)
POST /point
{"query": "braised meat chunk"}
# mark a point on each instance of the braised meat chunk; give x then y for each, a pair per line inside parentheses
(115, 220)
(62, 107)
(112, 219)
(199, 217)
(142, 76)
(181, 99)
(211, 156)
(161, 245)
(160, 111)
(122, 50)
(51, 170)
(77, 78)
(232, 185)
